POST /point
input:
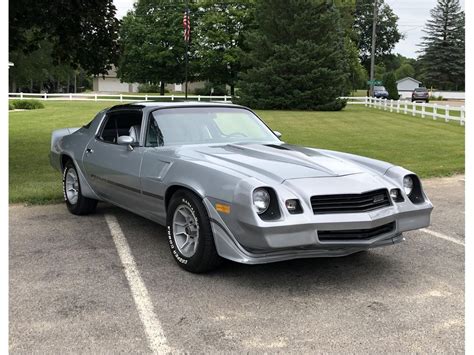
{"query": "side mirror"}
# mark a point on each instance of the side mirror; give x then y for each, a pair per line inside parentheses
(126, 140)
(278, 134)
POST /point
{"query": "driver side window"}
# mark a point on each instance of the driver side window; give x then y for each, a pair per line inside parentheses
(126, 123)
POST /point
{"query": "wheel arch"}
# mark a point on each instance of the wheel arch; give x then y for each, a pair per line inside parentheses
(172, 189)
(63, 159)
(86, 188)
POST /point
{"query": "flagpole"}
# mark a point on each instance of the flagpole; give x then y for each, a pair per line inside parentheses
(186, 58)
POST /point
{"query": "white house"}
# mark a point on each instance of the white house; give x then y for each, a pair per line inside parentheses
(111, 83)
(407, 84)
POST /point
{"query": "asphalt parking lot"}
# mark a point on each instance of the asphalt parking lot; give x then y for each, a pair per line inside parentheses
(70, 290)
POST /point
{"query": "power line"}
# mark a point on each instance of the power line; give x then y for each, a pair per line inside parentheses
(372, 54)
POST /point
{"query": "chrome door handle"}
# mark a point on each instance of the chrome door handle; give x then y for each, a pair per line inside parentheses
(89, 151)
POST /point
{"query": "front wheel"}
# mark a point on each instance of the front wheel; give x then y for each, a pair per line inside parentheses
(190, 233)
(76, 203)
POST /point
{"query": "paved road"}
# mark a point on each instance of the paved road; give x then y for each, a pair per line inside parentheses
(69, 291)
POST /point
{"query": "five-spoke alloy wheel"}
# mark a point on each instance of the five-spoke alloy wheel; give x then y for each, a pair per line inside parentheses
(75, 201)
(190, 234)
(185, 230)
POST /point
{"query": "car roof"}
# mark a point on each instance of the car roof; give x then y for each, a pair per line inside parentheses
(157, 104)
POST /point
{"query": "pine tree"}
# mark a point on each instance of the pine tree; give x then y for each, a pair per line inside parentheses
(296, 57)
(390, 84)
(443, 55)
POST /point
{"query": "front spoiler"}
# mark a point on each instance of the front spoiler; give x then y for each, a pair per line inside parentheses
(237, 253)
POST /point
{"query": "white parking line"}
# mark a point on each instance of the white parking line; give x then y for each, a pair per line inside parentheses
(442, 236)
(153, 330)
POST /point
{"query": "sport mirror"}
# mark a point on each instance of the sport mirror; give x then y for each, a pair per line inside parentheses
(126, 140)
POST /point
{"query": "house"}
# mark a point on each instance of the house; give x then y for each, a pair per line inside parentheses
(192, 85)
(407, 84)
(111, 83)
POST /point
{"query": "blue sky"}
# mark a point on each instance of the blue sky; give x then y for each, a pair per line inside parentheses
(412, 18)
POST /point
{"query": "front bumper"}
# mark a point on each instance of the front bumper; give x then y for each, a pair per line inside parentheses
(294, 241)
(291, 240)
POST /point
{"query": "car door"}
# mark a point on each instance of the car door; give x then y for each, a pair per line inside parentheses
(114, 169)
(157, 160)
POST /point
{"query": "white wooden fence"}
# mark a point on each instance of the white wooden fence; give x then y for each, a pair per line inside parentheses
(435, 111)
(114, 97)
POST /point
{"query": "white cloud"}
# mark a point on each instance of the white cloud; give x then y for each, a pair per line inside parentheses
(123, 6)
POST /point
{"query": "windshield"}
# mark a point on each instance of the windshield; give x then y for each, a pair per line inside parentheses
(421, 89)
(379, 88)
(207, 125)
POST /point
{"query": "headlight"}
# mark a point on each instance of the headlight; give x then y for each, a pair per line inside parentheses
(261, 200)
(408, 185)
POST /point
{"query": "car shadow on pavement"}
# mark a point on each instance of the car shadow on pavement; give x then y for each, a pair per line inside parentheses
(360, 270)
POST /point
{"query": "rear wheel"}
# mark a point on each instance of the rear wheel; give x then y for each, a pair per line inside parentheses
(76, 203)
(190, 233)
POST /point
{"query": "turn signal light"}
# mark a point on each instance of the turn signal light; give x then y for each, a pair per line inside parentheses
(293, 206)
(396, 195)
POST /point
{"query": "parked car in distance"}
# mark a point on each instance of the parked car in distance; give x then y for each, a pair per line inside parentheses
(420, 94)
(380, 92)
(226, 187)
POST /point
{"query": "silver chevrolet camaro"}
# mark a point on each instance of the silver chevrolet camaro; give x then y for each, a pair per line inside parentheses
(226, 187)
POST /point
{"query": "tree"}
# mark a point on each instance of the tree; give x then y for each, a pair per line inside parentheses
(380, 71)
(358, 76)
(405, 70)
(36, 71)
(219, 37)
(152, 44)
(290, 64)
(443, 56)
(390, 84)
(82, 33)
(388, 34)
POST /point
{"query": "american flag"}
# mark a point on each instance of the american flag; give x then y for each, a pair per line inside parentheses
(187, 26)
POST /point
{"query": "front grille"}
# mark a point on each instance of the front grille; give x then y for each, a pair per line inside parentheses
(355, 234)
(350, 203)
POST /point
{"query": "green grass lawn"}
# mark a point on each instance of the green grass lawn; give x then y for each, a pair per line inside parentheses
(427, 147)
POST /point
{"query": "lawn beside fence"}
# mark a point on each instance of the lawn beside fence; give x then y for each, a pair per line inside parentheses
(429, 148)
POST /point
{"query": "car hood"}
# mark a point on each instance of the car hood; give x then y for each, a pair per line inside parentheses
(278, 162)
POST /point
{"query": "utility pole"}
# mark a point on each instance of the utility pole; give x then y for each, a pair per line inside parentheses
(372, 54)
(186, 57)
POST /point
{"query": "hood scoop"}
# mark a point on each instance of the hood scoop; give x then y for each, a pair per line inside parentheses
(276, 146)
